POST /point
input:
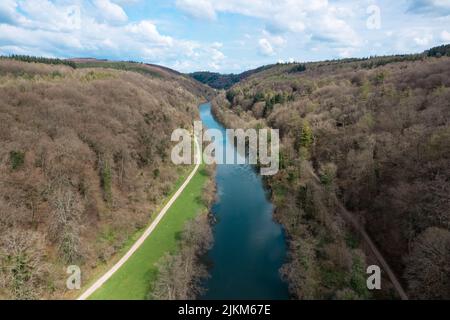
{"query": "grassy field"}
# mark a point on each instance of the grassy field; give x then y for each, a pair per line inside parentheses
(133, 279)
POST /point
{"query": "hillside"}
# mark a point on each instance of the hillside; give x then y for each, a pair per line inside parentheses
(146, 69)
(84, 162)
(377, 134)
(223, 81)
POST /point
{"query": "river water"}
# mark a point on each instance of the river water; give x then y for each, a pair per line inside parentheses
(249, 247)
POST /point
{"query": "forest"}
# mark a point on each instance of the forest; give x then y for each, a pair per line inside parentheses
(223, 81)
(44, 60)
(84, 163)
(371, 135)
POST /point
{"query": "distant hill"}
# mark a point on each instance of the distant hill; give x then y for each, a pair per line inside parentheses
(147, 69)
(223, 81)
(226, 81)
(216, 80)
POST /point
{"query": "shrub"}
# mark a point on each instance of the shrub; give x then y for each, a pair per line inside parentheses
(298, 68)
(17, 159)
(428, 265)
(303, 136)
(328, 174)
(230, 95)
(358, 276)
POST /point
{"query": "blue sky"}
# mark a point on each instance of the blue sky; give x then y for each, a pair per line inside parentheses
(221, 35)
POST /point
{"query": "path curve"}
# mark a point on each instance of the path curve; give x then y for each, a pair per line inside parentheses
(97, 284)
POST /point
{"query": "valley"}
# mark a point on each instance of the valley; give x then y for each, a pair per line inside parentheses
(363, 180)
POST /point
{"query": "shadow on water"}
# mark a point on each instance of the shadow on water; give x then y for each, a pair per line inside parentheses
(249, 247)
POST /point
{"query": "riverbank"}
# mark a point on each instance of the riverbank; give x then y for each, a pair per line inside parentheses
(132, 281)
(325, 258)
(98, 271)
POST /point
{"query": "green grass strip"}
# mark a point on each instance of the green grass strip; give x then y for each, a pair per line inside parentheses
(133, 280)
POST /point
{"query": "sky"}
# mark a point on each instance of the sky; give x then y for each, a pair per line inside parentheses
(221, 35)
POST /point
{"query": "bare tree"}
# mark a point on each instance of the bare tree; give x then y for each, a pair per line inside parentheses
(65, 226)
(23, 270)
(180, 275)
(428, 265)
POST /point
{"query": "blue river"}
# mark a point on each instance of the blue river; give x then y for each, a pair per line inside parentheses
(249, 246)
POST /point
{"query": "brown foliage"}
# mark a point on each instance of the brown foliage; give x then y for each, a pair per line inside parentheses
(91, 140)
(428, 265)
(381, 142)
(23, 270)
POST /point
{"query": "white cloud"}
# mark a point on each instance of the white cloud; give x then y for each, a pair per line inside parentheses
(303, 29)
(445, 35)
(275, 40)
(290, 60)
(45, 15)
(269, 44)
(412, 40)
(8, 11)
(265, 48)
(217, 55)
(197, 8)
(46, 32)
(345, 52)
(424, 40)
(333, 29)
(111, 12)
(127, 2)
(313, 19)
(146, 31)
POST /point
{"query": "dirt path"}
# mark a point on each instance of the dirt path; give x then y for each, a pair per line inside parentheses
(97, 284)
(348, 216)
